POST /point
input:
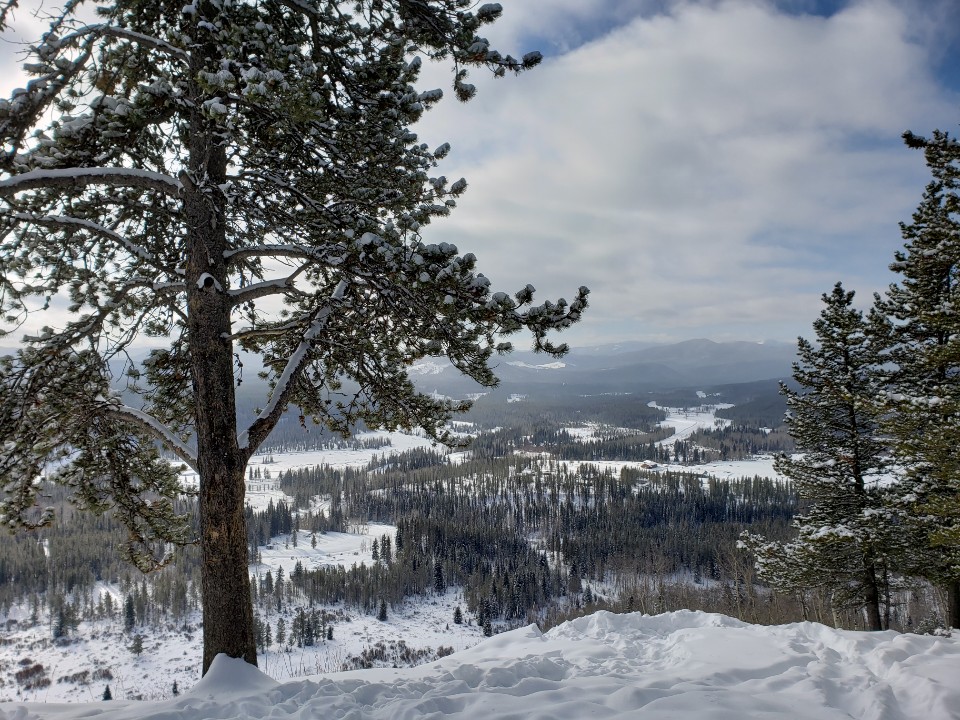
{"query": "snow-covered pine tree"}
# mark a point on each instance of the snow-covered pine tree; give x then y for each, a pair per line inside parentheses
(919, 315)
(180, 170)
(842, 543)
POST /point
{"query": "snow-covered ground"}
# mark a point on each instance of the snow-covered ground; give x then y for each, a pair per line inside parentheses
(686, 422)
(681, 665)
(277, 463)
(761, 465)
(332, 548)
(98, 653)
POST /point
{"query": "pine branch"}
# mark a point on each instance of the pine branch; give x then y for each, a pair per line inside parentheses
(72, 178)
(280, 286)
(62, 221)
(258, 431)
(273, 251)
(157, 430)
(105, 30)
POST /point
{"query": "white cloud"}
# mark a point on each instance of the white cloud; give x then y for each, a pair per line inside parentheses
(708, 172)
(707, 168)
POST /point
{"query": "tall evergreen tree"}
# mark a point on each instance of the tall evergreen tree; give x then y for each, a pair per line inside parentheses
(920, 318)
(843, 534)
(129, 614)
(179, 171)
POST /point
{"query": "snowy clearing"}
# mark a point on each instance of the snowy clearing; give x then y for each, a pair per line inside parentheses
(279, 462)
(332, 549)
(677, 665)
(686, 422)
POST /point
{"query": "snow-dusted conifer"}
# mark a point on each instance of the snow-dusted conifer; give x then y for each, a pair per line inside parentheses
(919, 316)
(843, 534)
(182, 170)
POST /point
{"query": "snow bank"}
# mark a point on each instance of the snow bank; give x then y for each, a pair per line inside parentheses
(677, 665)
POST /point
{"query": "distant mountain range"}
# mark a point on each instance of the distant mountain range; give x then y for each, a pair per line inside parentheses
(620, 367)
(626, 367)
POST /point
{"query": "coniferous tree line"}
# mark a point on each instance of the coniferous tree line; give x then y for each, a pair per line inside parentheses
(626, 447)
(559, 442)
(517, 535)
(764, 410)
(739, 442)
(876, 417)
(558, 406)
(471, 526)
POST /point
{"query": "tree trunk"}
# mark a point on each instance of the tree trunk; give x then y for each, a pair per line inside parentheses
(227, 608)
(953, 604)
(871, 597)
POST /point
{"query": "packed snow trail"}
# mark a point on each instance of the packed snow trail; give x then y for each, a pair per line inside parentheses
(604, 666)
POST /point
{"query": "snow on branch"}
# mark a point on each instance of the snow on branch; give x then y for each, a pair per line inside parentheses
(157, 430)
(69, 178)
(262, 289)
(258, 431)
(149, 41)
(302, 6)
(279, 286)
(286, 250)
(67, 222)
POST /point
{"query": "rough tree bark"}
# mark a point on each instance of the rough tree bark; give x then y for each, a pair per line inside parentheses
(227, 608)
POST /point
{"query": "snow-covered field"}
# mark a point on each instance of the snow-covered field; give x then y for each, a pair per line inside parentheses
(687, 422)
(677, 666)
(278, 463)
(761, 465)
(101, 649)
(332, 548)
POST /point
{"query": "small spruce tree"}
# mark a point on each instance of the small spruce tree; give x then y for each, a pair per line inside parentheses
(136, 645)
(844, 536)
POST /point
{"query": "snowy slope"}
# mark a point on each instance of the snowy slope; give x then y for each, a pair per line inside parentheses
(98, 653)
(677, 665)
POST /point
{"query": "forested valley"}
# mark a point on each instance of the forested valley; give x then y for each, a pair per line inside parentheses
(530, 524)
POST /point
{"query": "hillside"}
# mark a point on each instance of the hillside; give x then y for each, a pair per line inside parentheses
(676, 665)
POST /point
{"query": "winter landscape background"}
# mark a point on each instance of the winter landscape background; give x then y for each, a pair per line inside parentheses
(651, 525)
(691, 664)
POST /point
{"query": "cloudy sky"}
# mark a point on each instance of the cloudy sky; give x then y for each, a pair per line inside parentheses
(708, 168)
